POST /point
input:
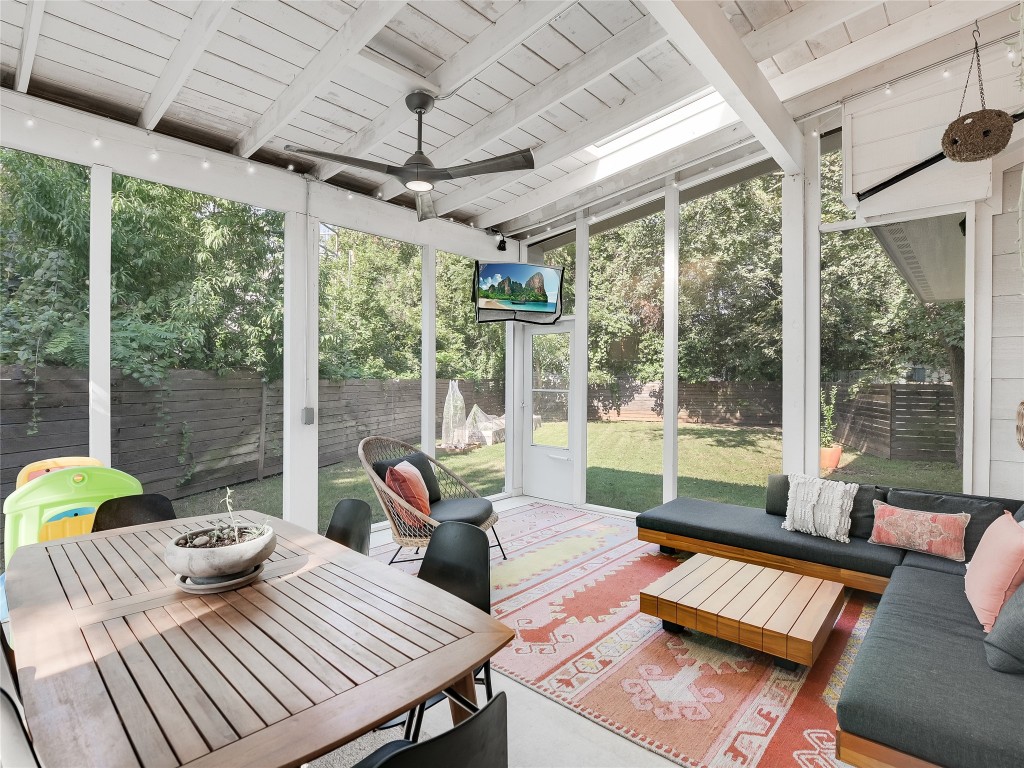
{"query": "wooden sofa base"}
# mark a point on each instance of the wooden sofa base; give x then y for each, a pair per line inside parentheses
(853, 579)
(865, 753)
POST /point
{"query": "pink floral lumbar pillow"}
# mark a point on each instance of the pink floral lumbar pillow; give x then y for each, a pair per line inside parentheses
(933, 533)
(997, 569)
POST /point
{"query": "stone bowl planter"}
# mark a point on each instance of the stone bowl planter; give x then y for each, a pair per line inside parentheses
(215, 563)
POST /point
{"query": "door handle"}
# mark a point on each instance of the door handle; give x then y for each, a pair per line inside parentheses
(560, 458)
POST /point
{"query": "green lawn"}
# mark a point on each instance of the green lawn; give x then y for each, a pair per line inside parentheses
(728, 464)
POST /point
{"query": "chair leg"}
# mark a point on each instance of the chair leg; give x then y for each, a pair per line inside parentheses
(487, 680)
(495, 532)
(392, 560)
(419, 712)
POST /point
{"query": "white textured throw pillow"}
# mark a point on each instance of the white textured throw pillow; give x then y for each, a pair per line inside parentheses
(820, 507)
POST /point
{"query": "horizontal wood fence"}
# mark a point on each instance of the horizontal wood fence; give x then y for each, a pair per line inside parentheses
(200, 431)
(916, 422)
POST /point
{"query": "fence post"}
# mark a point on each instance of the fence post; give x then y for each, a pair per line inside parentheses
(892, 421)
(262, 450)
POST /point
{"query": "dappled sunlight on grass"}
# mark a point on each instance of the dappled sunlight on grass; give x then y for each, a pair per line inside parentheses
(718, 463)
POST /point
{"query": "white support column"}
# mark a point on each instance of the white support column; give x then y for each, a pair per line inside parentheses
(812, 299)
(670, 385)
(793, 352)
(100, 179)
(801, 313)
(580, 364)
(301, 368)
(428, 353)
(977, 446)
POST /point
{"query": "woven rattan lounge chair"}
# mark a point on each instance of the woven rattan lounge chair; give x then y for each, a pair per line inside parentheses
(451, 498)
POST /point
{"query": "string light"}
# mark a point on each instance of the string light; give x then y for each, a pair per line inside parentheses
(814, 133)
(291, 166)
(154, 155)
(349, 195)
(30, 122)
(251, 168)
(96, 142)
(888, 89)
(945, 73)
(205, 163)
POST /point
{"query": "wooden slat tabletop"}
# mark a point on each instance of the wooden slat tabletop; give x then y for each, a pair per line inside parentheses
(118, 667)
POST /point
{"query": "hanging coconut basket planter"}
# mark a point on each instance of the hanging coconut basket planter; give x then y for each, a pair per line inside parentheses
(977, 135)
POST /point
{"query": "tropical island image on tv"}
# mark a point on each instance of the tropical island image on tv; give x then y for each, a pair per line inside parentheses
(522, 287)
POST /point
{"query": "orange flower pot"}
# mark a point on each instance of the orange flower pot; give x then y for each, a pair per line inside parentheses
(830, 457)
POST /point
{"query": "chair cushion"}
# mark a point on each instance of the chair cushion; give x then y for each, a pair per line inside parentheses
(776, 495)
(419, 460)
(1004, 645)
(753, 529)
(983, 512)
(474, 511)
(921, 683)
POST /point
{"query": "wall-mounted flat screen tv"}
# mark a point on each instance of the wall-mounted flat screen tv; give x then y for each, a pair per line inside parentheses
(529, 293)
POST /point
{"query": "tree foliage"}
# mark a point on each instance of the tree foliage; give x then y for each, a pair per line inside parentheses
(197, 283)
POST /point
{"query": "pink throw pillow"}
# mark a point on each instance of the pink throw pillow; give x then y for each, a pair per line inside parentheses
(997, 569)
(933, 533)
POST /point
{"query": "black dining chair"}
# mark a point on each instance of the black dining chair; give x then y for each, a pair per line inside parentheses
(480, 741)
(132, 510)
(458, 560)
(350, 525)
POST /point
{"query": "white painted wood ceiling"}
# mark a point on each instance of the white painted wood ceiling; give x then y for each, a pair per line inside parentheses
(590, 70)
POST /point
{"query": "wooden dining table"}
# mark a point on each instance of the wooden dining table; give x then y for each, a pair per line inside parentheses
(119, 667)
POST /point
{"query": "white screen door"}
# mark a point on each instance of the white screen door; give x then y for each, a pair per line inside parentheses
(547, 462)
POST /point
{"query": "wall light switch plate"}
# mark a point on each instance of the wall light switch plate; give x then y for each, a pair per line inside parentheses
(308, 416)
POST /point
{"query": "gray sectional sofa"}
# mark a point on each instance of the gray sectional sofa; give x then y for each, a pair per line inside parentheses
(921, 691)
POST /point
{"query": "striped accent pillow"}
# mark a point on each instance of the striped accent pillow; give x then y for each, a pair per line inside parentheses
(405, 480)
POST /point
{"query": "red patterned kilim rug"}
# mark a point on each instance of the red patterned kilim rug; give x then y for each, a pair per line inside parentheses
(570, 590)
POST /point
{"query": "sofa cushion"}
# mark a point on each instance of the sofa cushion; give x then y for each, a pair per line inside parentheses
(933, 563)
(983, 512)
(921, 683)
(862, 516)
(1019, 516)
(474, 511)
(419, 460)
(1004, 645)
(776, 495)
(753, 529)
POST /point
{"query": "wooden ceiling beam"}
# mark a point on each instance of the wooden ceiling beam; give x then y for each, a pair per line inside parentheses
(630, 112)
(898, 38)
(639, 37)
(712, 126)
(361, 27)
(194, 40)
(802, 24)
(29, 40)
(704, 35)
(509, 31)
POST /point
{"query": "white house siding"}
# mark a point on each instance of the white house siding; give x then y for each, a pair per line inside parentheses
(1007, 457)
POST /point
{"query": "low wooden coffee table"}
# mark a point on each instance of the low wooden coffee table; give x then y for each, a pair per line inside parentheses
(783, 614)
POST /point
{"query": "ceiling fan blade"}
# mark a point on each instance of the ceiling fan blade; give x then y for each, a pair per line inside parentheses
(425, 206)
(358, 162)
(513, 161)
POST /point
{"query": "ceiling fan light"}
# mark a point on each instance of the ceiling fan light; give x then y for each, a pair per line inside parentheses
(418, 185)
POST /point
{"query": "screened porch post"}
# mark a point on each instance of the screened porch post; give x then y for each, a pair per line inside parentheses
(301, 368)
(428, 351)
(579, 363)
(801, 311)
(670, 385)
(100, 182)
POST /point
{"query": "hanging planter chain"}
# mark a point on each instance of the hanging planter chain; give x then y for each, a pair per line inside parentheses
(977, 135)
